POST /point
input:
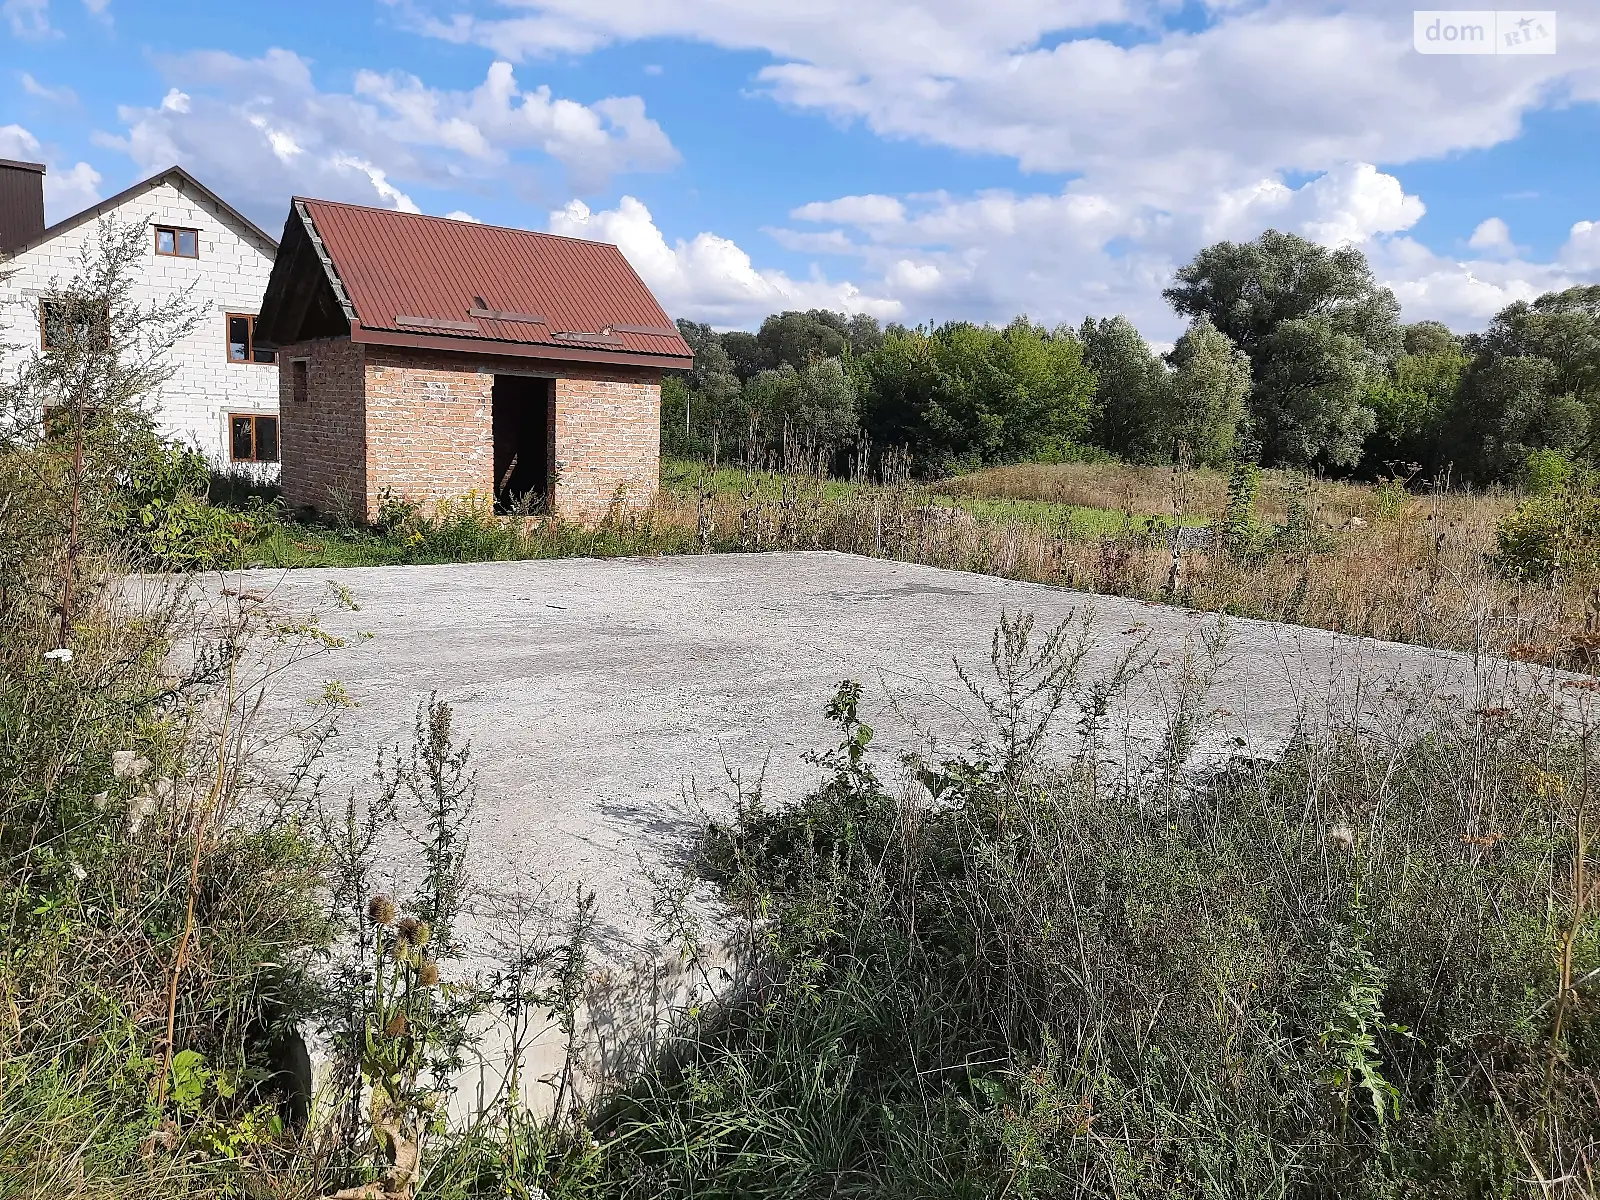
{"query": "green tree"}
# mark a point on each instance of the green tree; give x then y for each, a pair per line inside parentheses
(800, 338)
(1316, 326)
(1306, 404)
(814, 407)
(1507, 408)
(1133, 391)
(1210, 390)
(1563, 328)
(963, 394)
(1412, 402)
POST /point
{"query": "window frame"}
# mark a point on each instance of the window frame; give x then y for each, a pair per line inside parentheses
(255, 418)
(299, 380)
(251, 354)
(175, 230)
(44, 322)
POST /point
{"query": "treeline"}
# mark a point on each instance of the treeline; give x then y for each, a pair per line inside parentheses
(1294, 356)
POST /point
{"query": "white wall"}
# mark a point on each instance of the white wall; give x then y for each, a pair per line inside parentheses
(230, 276)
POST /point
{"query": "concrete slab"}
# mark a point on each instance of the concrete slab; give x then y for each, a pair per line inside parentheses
(596, 691)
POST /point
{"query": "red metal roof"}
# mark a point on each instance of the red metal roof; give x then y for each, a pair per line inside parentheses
(446, 279)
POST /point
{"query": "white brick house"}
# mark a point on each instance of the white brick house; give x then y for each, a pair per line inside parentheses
(223, 395)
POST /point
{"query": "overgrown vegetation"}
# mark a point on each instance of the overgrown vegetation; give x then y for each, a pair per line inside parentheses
(1047, 965)
(1364, 970)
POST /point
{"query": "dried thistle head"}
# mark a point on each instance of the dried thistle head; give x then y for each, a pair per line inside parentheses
(380, 910)
(407, 927)
(1342, 837)
(422, 933)
(428, 973)
(396, 1025)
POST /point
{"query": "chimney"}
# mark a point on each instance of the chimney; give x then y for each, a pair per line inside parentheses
(21, 203)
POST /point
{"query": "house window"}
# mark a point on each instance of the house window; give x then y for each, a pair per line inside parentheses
(253, 437)
(299, 380)
(174, 242)
(66, 323)
(242, 340)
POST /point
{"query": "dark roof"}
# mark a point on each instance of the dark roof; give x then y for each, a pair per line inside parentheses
(22, 166)
(406, 279)
(189, 183)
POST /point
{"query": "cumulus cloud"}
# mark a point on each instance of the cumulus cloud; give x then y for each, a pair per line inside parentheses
(1582, 249)
(1165, 108)
(707, 277)
(66, 189)
(1492, 237)
(1085, 251)
(1178, 132)
(258, 129)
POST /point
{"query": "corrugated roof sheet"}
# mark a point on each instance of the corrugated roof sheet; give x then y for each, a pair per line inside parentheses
(412, 274)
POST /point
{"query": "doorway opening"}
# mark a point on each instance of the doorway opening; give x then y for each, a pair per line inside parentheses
(524, 442)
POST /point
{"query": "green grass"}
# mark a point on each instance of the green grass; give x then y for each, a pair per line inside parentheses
(299, 545)
(684, 478)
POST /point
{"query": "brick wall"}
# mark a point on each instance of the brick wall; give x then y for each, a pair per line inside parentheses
(608, 437)
(420, 424)
(429, 425)
(323, 438)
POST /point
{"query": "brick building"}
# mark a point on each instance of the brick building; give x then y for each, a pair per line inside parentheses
(430, 358)
(222, 395)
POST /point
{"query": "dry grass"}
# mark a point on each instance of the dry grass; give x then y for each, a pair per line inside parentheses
(1151, 491)
(1409, 568)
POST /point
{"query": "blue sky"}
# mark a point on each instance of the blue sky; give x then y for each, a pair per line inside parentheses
(916, 159)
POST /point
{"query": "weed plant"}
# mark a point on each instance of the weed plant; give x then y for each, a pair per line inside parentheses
(1366, 969)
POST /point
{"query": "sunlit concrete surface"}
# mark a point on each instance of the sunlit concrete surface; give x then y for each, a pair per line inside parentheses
(596, 693)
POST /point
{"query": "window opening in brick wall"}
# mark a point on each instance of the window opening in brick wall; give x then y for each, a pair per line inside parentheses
(242, 341)
(299, 380)
(175, 242)
(253, 437)
(67, 323)
(524, 436)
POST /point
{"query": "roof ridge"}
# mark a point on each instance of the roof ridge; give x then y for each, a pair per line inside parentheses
(100, 207)
(400, 212)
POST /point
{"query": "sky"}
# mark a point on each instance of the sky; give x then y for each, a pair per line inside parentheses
(918, 160)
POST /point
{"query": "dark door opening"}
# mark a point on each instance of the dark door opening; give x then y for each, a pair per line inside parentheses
(524, 411)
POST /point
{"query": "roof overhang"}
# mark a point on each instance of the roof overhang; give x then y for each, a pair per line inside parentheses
(544, 350)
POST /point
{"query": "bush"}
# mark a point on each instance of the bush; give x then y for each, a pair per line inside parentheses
(1037, 981)
(1545, 471)
(1555, 534)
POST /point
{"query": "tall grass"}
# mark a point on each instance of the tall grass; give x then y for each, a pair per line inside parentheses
(1365, 970)
(1378, 562)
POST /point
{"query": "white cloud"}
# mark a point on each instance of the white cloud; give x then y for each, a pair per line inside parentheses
(1059, 257)
(259, 129)
(1582, 249)
(1492, 236)
(63, 95)
(708, 277)
(29, 19)
(853, 210)
(66, 189)
(1263, 87)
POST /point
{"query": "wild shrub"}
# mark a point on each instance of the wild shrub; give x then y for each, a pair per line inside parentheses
(1365, 969)
(1554, 534)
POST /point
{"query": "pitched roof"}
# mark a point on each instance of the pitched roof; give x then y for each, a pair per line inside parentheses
(188, 184)
(430, 281)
